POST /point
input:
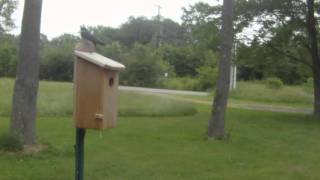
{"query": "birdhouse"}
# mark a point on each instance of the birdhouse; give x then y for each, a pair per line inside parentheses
(95, 90)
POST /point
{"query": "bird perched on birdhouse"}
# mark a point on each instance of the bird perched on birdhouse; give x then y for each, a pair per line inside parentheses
(85, 34)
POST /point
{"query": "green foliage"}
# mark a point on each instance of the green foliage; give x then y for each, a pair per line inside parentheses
(309, 82)
(207, 74)
(181, 83)
(185, 60)
(57, 65)
(202, 24)
(7, 7)
(8, 55)
(277, 49)
(274, 83)
(144, 31)
(57, 58)
(308, 85)
(257, 61)
(137, 30)
(187, 50)
(107, 35)
(207, 77)
(114, 51)
(144, 67)
(10, 143)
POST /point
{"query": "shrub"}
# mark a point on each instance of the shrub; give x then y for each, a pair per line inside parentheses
(143, 67)
(274, 83)
(308, 85)
(10, 143)
(207, 77)
(57, 58)
(181, 83)
(8, 59)
(309, 82)
(57, 66)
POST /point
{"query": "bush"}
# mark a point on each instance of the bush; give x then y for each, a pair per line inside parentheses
(144, 67)
(10, 143)
(181, 83)
(8, 59)
(308, 85)
(57, 58)
(207, 77)
(57, 66)
(274, 83)
(309, 82)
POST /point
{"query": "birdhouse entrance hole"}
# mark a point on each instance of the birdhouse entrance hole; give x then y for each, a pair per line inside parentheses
(111, 81)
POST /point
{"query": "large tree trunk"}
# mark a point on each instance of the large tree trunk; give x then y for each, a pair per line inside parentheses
(217, 121)
(312, 34)
(26, 85)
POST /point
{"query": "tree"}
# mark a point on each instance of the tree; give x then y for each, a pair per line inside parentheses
(138, 29)
(256, 61)
(23, 116)
(202, 22)
(144, 31)
(288, 27)
(282, 27)
(7, 7)
(217, 120)
(143, 67)
(312, 35)
(57, 58)
(8, 55)
(185, 60)
(7, 47)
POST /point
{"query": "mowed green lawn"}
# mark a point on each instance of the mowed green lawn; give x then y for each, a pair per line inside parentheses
(262, 145)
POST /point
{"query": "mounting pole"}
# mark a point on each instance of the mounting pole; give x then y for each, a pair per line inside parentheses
(79, 152)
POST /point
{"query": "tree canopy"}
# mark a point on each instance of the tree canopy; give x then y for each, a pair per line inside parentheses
(7, 7)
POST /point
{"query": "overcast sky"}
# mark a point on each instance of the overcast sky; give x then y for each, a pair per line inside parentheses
(65, 16)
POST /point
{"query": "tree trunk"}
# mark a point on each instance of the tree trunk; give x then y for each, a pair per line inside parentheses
(217, 120)
(24, 103)
(312, 34)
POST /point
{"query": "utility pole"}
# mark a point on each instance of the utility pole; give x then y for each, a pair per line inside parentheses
(159, 34)
(233, 70)
(159, 11)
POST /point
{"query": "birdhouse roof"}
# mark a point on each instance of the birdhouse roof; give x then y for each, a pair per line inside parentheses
(99, 60)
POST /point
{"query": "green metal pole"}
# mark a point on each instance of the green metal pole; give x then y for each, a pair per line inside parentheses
(79, 151)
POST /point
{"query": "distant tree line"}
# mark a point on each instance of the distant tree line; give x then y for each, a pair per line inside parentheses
(164, 53)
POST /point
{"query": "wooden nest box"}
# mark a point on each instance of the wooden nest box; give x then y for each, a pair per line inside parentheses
(95, 89)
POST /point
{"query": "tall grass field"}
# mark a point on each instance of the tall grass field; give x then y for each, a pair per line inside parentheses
(162, 145)
(56, 99)
(259, 93)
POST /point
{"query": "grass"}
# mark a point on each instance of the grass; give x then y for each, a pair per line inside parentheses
(259, 93)
(10, 143)
(55, 99)
(262, 145)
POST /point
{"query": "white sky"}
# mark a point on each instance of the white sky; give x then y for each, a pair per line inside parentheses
(66, 16)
